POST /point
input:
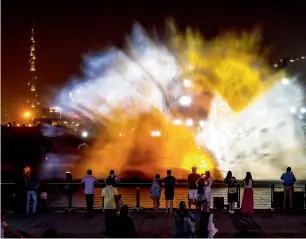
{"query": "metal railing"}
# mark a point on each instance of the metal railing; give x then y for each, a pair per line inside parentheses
(69, 196)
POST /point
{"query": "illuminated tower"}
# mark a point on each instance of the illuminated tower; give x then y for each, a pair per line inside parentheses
(33, 101)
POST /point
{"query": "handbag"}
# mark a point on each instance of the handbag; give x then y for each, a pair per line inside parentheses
(232, 190)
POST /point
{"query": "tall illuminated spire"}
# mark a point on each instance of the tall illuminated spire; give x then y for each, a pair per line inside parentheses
(32, 84)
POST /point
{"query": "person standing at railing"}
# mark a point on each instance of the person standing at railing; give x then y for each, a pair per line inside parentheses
(113, 177)
(232, 191)
(247, 206)
(288, 179)
(169, 183)
(155, 192)
(193, 189)
(89, 181)
(208, 183)
(109, 204)
(32, 185)
(201, 192)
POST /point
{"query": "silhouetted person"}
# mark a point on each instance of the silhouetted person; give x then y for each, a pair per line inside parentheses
(232, 191)
(169, 182)
(193, 189)
(32, 185)
(109, 204)
(112, 176)
(288, 179)
(124, 225)
(185, 222)
(206, 228)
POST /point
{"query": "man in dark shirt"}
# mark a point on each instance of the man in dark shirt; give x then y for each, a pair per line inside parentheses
(193, 189)
(113, 177)
(169, 182)
(31, 192)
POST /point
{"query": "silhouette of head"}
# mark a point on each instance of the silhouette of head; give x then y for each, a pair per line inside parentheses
(289, 169)
(124, 210)
(168, 172)
(194, 169)
(89, 172)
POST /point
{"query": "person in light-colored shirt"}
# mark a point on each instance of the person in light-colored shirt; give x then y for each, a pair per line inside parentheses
(109, 204)
(89, 183)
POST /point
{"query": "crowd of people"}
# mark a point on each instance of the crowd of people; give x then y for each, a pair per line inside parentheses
(199, 195)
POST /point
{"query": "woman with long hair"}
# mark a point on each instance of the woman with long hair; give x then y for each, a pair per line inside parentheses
(155, 192)
(208, 182)
(247, 206)
(232, 191)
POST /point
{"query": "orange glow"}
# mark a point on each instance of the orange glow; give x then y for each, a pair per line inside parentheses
(27, 114)
(137, 151)
(231, 66)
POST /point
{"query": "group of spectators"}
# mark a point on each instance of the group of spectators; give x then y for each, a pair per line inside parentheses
(199, 194)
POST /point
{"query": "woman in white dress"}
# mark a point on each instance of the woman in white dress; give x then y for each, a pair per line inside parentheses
(208, 182)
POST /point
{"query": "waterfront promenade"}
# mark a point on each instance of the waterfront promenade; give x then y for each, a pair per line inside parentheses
(150, 224)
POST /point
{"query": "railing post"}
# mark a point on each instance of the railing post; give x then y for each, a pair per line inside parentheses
(238, 192)
(137, 198)
(272, 195)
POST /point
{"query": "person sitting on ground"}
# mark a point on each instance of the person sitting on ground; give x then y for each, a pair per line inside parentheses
(50, 233)
(206, 228)
(185, 222)
(6, 229)
(113, 177)
(125, 227)
(120, 202)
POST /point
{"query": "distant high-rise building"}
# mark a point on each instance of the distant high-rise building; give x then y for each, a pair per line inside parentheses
(33, 100)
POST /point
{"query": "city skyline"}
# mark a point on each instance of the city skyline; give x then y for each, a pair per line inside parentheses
(66, 36)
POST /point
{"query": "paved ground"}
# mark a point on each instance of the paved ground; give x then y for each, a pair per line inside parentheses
(149, 224)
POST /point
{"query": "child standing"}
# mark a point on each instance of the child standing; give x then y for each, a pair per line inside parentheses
(155, 192)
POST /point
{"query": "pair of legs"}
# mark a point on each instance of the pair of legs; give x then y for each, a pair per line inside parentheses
(89, 202)
(156, 203)
(288, 192)
(31, 195)
(169, 195)
(110, 217)
(192, 196)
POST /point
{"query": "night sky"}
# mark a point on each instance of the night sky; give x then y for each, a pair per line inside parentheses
(66, 30)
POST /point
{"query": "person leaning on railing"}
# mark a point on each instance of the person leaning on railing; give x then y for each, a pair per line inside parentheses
(113, 177)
